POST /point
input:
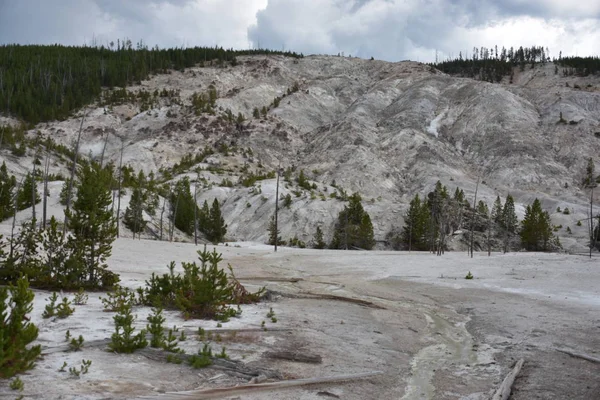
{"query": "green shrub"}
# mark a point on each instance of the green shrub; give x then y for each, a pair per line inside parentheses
(469, 275)
(16, 333)
(155, 328)
(203, 291)
(124, 340)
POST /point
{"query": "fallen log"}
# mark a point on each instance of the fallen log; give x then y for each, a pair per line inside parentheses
(229, 367)
(321, 296)
(252, 388)
(579, 355)
(505, 387)
(302, 357)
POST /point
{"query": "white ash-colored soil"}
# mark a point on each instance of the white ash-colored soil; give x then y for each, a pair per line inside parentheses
(431, 333)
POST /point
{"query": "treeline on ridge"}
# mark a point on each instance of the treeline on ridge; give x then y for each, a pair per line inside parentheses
(492, 64)
(43, 83)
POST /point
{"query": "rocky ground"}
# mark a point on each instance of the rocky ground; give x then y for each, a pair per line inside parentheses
(410, 321)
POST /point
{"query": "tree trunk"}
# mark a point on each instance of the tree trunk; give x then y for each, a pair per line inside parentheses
(277, 210)
(45, 201)
(474, 214)
(119, 189)
(73, 169)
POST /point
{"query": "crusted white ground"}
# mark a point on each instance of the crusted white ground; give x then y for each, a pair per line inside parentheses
(432, 334)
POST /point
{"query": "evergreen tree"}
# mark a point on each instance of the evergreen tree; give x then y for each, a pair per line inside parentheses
(16, 332)
(536, 229)
(92, 224)
(509, 217)
(216, 224)
(26, 193)
(274, 233)
(319, 242)
(7, 186)
(415, 234)
(353, 227)
(497, 211)
(182, 206)
(134, 217)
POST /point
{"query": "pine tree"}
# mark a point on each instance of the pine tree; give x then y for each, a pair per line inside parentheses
(497, 211)
(7, 186)
(16, 332)
(274, 233)
(509, 217)
(92, 224)
(25, 197)
(217, 229)
(182, 206)
(415, 233)
(536, 229)
(319, 242)
(134, 217)
(353, 227)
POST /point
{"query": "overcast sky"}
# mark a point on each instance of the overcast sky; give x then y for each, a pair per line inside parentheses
(385, 29)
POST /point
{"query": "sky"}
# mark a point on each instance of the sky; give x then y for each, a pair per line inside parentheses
(391, 30)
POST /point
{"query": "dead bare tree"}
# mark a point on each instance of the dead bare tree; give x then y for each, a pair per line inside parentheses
(162, 213)
(45, 199)
(72, 176)
(119, 188)
(14, 221)
(104, 149)
(474, 214)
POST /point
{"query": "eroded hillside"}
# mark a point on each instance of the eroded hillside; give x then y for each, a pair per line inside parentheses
(385, 130)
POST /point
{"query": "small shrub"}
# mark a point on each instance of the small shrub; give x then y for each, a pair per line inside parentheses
(174, 359)
(569, 230)
(566, 211)
(469, 275)
(123, 340)
(117, 298)
(17, 384)
(222, 354)
(76, 344)
(155, 328)
(62, 369)
(578, 223)
(558, 209)
(16, 332)
(81, 298)
(83, 368)
(50, 309)
(171, 341)
(64, 309)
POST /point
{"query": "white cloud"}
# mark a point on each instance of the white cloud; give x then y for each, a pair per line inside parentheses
(386, 29)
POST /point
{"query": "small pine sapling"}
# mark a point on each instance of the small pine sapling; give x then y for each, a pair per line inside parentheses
(62, 369)
(155, 328)
(222, 354)
(64, 309)
(17, 384)
(469, 275)
(81, 298)
(16, 332)
(50, 309)
(76, 344)
(170, 344)
(123, 340)
(67, 335)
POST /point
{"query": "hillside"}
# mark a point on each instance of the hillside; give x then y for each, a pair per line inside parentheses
(385, 130)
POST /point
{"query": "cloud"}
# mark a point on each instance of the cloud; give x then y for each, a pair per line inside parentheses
(386, 29)
(165, 23)
(416, 29)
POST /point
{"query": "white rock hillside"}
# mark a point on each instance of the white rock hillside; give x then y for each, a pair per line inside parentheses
(386, 130)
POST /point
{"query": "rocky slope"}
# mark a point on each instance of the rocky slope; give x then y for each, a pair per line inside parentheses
(386, 130)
